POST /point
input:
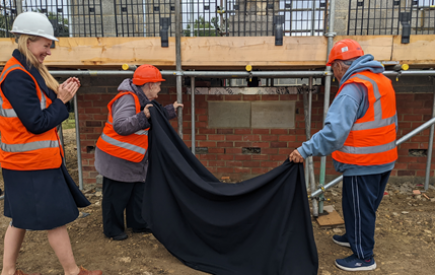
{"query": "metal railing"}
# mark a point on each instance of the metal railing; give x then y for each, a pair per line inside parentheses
(222, 17)
(383, 17)
(70, 18)
(143, 18)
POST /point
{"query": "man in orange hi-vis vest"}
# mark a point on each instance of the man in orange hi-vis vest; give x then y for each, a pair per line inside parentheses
(121, 153)
(360, 132)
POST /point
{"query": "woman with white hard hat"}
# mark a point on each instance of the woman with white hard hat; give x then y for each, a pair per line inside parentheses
(39, 192)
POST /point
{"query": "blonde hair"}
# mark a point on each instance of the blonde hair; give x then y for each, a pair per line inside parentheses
(33, 61)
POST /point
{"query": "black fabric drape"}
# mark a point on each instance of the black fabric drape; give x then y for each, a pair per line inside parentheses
(261, 226)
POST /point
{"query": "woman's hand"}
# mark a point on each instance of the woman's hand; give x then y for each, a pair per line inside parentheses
(147, 111)
(68, 89)
(176, 105)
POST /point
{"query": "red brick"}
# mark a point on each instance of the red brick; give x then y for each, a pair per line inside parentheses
(279, 131)
(216, 163)
(92, 97)
(259, 170)
(251, 138)
(400, 166)
(270, 97)
(225, 131)
(234, 137)
(287, 138)
(243, 157)
(93, 111)
(242, 170)
(225, 170)
(200, 118)
(216, 150)
(216, 137)
(269, 151)
(269, 164)
(261, 131)
(207, 131)
(261, 144)
(405, 173)
(260, 157)
(242, 144)
(225, 157)
(278, 157)
(285, 151)
(200, 111)
(207, 157)
(215, 97)
(251, 97)
(88, 168)
(288, 97)
(412, 117)
(200, 137)
(269, 138)
(242, 131)
(234, 163)
(233, 150)
(100, 117)
(251, 164)
(232, 97)
(225, 144)
(278, 144)
(416, 166)
(207, 144)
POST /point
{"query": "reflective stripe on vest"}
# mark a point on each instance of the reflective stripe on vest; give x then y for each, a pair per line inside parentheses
(378, 122)
(124, 145)
(19, 148)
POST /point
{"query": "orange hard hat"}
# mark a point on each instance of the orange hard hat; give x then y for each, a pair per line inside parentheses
(344, 50)
(146, 73)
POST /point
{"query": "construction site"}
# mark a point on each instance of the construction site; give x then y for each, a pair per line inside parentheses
(252, 77)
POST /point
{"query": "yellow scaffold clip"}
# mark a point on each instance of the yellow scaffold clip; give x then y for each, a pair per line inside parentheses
(248, 68)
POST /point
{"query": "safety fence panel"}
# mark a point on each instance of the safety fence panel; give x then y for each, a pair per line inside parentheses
(386, 17)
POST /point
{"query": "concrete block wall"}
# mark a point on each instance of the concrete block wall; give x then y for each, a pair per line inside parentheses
(228, 151)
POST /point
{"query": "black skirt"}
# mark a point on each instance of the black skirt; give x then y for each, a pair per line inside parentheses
(43, 199)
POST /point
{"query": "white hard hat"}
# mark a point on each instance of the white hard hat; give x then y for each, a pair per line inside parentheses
(33, 23)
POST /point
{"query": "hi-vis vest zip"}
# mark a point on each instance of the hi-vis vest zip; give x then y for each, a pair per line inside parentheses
(20, 149)
(372, 139)
(132, 147)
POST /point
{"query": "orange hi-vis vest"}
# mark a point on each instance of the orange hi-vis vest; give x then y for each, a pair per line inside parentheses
(372, 139)
(132, 147)
(20, 149)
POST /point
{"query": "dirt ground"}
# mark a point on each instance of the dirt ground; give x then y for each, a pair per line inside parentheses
(405, 236)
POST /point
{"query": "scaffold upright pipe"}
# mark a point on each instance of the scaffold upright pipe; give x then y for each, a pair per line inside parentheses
(179, 78)
(400, 141)
(192, 101)
(430, 147)
(79, 150)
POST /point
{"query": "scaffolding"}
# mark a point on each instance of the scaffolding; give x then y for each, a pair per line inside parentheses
(316, 190)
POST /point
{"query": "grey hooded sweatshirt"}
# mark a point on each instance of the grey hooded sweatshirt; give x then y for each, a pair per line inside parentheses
(127, 122)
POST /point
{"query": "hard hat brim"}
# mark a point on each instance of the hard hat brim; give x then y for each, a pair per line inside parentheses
(50, 37)
(140, 83)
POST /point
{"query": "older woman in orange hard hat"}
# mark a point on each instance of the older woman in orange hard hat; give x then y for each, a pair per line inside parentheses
(121, 153)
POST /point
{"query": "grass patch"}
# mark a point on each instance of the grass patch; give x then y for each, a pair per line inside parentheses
(70, 122)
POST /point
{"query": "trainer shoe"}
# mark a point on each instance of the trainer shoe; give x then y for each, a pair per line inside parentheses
(341, 240)
(353, 263)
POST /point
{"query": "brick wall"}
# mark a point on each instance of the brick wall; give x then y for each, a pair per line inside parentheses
(226, 157)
